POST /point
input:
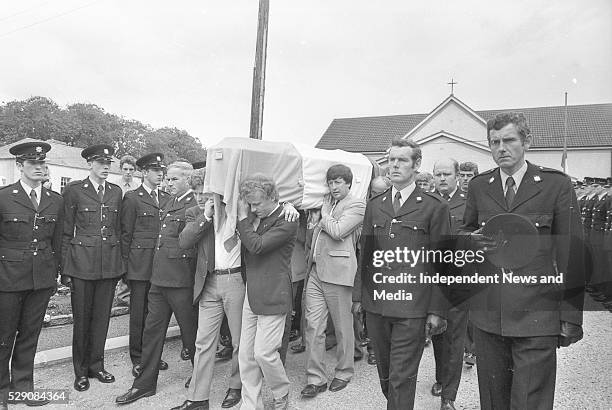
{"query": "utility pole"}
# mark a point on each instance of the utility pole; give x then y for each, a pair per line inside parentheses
(259, 71)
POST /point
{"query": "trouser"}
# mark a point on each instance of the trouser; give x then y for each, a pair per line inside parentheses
(92, 301)
(398, 345)
(515, 372)
(138, 314)
(260, 339)
(163, 302)
(448, 353)
(223, 295)
(322, 300)
(21, 318)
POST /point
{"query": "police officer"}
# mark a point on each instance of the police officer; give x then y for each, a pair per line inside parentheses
(30, 243)
(91, 262)
(140, 224)
(171, 289)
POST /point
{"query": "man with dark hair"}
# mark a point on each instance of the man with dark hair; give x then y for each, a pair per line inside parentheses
(171, 289)
(30, 245)
(267, 241)
(518, 327)
(401, 315)
(91, 250)
(332, 264)
(467, 171)
(449, 346)
(140, 225)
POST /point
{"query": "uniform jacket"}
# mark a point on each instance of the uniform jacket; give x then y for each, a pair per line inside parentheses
(545, 196)
(30, 239)
(598, 220)
(91, 244)
(336, 238)
(140, 225)
(422, 222)
(173, 266)
(267, 255)
(456, 207)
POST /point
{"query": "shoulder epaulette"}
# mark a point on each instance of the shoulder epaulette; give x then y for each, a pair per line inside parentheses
(434, 195)
(487, 172)
(4, 187)
(51, 192)
(546, 169)
(380, 194)
(113, 185)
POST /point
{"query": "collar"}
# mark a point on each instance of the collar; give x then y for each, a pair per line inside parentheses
(450, 194)
(274, 210)
(28, 189)
(96, 185)
(149, 190)
(180, 198)
(518, 176)
(406, 192)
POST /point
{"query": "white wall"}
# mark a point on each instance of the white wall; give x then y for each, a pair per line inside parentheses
(581, 163)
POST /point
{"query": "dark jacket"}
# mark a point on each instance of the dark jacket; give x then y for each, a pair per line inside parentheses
(422, 222)
(267, 255)
(173, 266)
(91, 245)
(140, 225)
(545, 197)
(30, 239)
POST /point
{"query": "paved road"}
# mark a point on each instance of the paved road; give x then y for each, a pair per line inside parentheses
(583, 379)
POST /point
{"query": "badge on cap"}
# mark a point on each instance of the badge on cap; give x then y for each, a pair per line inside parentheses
(158, 158)
(39, 149)
(537, 178)
(105, 151)
(419, 199)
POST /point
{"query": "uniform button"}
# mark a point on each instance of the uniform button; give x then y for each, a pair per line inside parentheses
(87, 209)
(482, 223)
(34, 240)
(415, 228)
(36, 227)
(159, 235)
(392, 236)
(537, 224)
(394, 221)
(164, 225)
(15, 220)
(35, 253)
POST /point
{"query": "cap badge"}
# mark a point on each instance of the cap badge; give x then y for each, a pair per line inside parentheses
(158, 158)
(38, 149)
(491, 179)
(105, 151)
(537, 178)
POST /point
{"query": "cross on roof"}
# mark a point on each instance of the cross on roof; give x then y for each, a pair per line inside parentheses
(452, 84)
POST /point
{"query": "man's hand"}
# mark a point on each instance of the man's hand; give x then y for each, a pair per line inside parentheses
(291, 214)
(570, 333)
(67, 281)
(243, 209)
(356, 309)
(482, 242)
(209, 208)
(434, 325)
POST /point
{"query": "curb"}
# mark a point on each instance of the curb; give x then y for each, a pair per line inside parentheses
(60, 354)
(59, 320)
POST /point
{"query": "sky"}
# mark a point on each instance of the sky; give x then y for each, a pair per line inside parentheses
(189, 64)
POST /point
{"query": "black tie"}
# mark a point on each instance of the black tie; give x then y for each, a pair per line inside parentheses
(33, 199)
(101, 193)
(510, 194)
(154, 195)
(396, 202)
(447, 197)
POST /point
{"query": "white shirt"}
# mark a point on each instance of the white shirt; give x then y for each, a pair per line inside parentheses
(223, 258)
(28, 190)
(149, 190)
(96, 185)
(406, 192)
(517, 176)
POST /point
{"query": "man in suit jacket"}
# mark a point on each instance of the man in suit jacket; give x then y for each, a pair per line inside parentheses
(267, 246)
(518, 327)
(332, 265)
(400, 315)
(91, 252)
(30, 243)
(171, 286)
(140, 225)
(448, 346)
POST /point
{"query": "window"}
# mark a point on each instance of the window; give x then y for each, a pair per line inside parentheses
(63, 182)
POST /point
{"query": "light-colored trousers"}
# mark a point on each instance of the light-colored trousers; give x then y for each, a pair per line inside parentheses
(323, 299)
(261, 337)
(222, 293)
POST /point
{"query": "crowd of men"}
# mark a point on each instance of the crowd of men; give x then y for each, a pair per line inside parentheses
(317, 274)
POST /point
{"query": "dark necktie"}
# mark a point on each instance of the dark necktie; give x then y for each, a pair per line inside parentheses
(510, 194)
(33, 199)
(447, 197)
(396, 202)
(101, 193)
(154, 196)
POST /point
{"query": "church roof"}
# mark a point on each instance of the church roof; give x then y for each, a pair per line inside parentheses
(588, 125)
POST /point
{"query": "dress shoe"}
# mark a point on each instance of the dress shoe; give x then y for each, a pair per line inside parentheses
(282, 403)
(225, 353)
(81, 383)
(134, 394)
(103, 376)
(337, 384)
(232, 398)
(447, 405)
(436, 389)
(36, 403)
(163, 365)
(311, 390)
(298, 348)
(371, 358)
(188, 382)
(137, 370)
(185, 355)
(192, 405)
